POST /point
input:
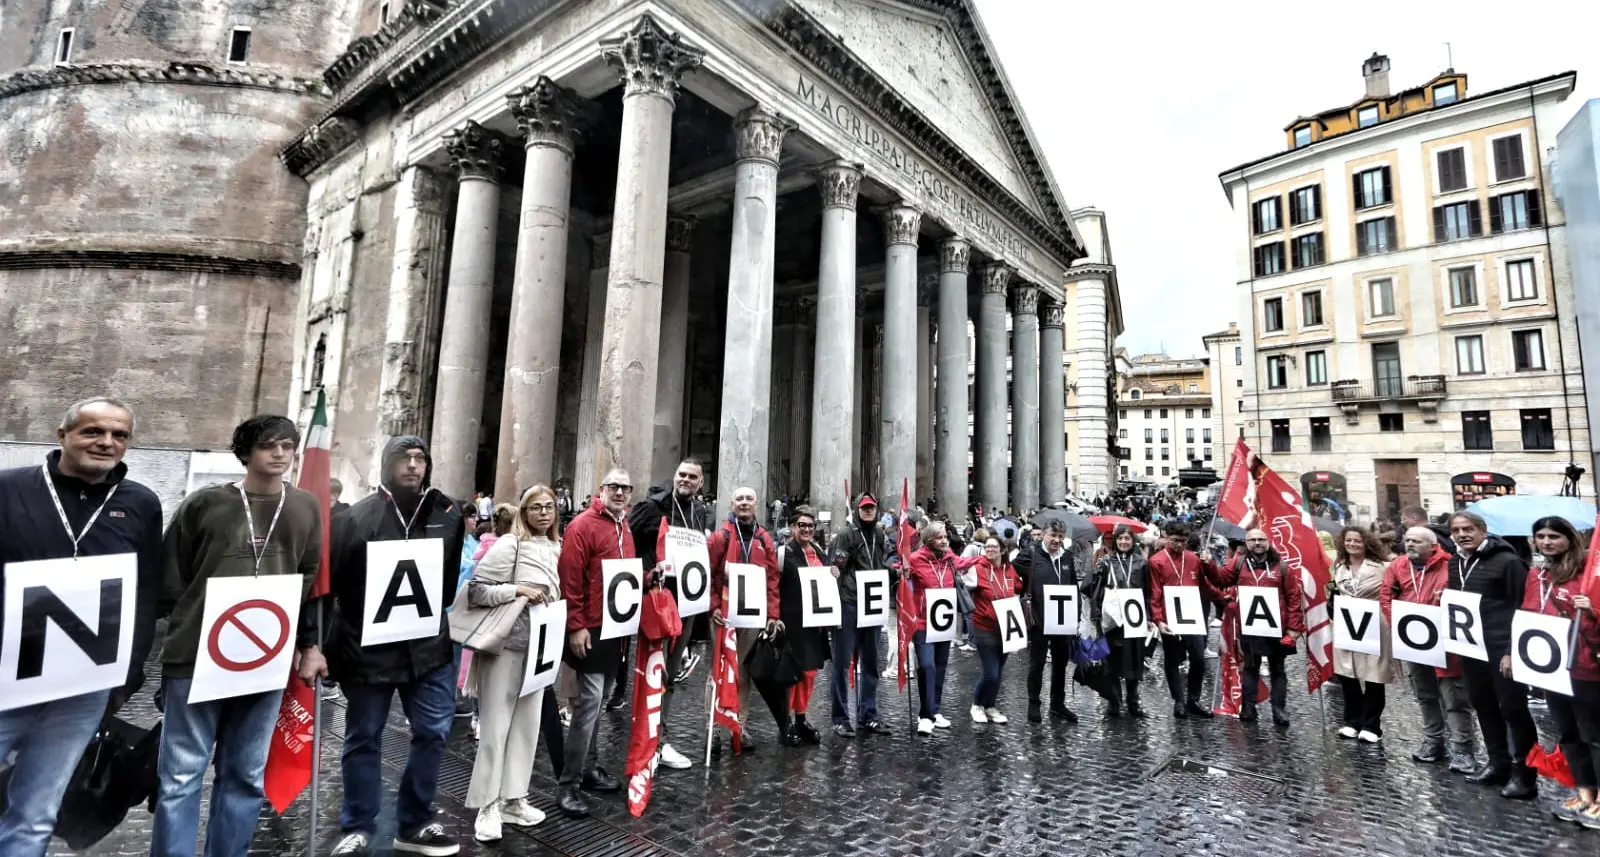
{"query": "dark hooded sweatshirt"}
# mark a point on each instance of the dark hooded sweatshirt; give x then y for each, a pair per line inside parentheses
(860, 547)
(383, 516)
(1495, 572)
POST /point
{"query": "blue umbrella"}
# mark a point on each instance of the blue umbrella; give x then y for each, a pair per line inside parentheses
(1514, 514)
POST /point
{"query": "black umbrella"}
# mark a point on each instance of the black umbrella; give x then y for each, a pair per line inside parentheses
(1078, 527)
(1226, 529)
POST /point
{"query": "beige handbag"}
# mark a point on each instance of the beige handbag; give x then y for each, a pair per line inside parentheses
(484, 629)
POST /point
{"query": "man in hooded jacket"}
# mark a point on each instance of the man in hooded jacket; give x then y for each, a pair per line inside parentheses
(860, 546)
(405, 507)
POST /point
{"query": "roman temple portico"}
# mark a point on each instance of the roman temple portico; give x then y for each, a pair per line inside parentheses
(597, 235)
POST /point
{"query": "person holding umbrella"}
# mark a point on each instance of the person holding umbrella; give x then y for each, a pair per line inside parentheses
(1123, 568)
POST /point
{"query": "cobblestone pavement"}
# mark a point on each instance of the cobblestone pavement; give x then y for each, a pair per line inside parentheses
(1101, 787)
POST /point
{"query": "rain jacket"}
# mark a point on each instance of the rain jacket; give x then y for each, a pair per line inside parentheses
(727, 545)
(1496, 572)
(592, 537)
(860, 547)
(1188, 570)
(1243, 572)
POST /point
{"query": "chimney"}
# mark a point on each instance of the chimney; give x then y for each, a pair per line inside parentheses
(1376, 72)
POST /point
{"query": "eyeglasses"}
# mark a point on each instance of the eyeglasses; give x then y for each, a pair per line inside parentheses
(805, 526)
(540, 507)
(618, 488)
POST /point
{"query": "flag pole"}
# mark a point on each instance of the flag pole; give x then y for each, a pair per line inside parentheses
(316, 741)
(711, 698)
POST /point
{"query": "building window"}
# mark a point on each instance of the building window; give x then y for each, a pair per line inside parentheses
(1267, 216)
(1469, 355)
(1302, 136)
(1122, 433)
(1147, 413)
(1513, 211)
(1366, 117)
(1527, 350)
(1316, 368)
(1373, 188)
(1280, 435)
(1305, 205)
(1124, 471)
(1149, 454)
(1321, 435)
(1311, 309)
(1188, 414)
(1277, 372)
(1149, 471)
(1508, 159)
(1272, 315)
(1537, 432)
(1194, 388)
(1444, 93)
(1463, 288)
(1521, 282)
(1238, 355)
(1238, 382)
(1166, 454)
(1380, 298)
(1163, 416)
(1164, 436)
(1122, 413)
(1452, 169)
(1207, 452)
(64, 47)
(1457, 221)
(1134, 395)
(1188, 454)
(1391, 422)
(1205, 414)
(1188, 435)
(1308, 250)
(239, 45)
(1205, 435)
(1269, 259)
(1476, 432)
(1375, 236)
(1166, 471)
(1149, 435)
(383, 14)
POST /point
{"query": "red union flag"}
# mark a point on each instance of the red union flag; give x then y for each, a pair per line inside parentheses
(1233, 504)
(1281, 514)
(906, 614)
(1230, 662)
(649, 671)
(725, 680)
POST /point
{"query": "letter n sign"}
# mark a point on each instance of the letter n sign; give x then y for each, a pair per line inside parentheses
(68, 627)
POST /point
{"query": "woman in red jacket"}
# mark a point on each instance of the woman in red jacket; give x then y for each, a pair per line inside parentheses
(1556, 588)
(932, 566)
(991, 579)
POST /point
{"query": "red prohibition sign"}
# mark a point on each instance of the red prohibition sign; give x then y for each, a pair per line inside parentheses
(268, 650)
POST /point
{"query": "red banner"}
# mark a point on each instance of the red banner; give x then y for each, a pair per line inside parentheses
(649, 683)
(1229, 661)
(1288, 524)
(725, 678)
(1233, 504)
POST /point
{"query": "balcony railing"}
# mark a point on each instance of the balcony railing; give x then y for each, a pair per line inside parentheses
(1415, 388)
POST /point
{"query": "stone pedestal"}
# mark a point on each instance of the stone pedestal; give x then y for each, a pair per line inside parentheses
(927, 288)
(673, 365)
(1024, 396)
(898, 443)
(950, 441)
(1052, 407)
(835, 396)
(478, 155)
(992, 399)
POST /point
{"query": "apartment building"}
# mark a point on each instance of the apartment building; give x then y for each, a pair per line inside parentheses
(1164, 418)
(1226, 353)
(1403, 270)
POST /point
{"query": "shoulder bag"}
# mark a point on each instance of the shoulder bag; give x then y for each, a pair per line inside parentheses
(485, 629)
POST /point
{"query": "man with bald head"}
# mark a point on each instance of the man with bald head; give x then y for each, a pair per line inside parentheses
(742, 539)
(1418, 576)
(1260, 565)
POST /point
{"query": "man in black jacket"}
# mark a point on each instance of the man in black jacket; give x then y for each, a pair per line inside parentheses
(861, 545)
(78, 503)
(404, 508)
(1047, 561)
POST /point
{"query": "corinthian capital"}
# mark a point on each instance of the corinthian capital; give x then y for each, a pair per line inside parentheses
(650, 59)
(680, 232)
(901, 223)
(840, 182)
(997, 278)
(758, 135)
(476, 152)
(1024, 299)
(547, 113)
(954, 256)
(1052, 315)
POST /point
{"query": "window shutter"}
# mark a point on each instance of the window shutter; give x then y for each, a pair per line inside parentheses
(1496, 222)
(1474, 218)
(1391, 237)
(1535, 217)
(1388, 190)
(1255, 219)
(1355, 191)
(1316, 201)
(1361, 239)
(1438, 224)
(1502, 160)
(1515, 157)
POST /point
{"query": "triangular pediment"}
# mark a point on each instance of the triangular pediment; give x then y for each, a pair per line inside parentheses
(913, 47)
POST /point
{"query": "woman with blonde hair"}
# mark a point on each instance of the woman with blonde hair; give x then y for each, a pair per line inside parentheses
(521, 565)
(1360, 560)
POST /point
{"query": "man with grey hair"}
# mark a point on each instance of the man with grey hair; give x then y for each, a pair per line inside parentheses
(1419, 576)
(77, 504)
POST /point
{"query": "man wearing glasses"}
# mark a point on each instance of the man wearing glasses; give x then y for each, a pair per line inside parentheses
(598, 533)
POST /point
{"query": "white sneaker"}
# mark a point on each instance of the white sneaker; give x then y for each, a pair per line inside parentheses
(1216, 623)
(891, 673)
(924, 726)
(521, 813)
(995, 716)
(475, 727)
(488, 827)
(1211, 653)
(670, 757)
(352, 844)
(941, 721)
(566, 717)
(1347, 732)
(1369, 737)
(978, 716)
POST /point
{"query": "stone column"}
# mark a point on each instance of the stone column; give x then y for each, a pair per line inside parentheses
(651, 61)
(800, 402)
(780, 410)
(834, 392)
(898, 443)
(747, 356)
(594, 326)
(992, 405)
(1097, 470)
(546, 113)
(927, 287)
(478, 155)
(1024, 396)
(1052, 406)
(673, 364)
(950, 445)
(872, 413)
(416, 275)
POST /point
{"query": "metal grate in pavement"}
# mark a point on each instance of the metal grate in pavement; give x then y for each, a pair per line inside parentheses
(1216, 781)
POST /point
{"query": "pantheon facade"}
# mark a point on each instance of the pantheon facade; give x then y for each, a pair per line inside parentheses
(562, 237)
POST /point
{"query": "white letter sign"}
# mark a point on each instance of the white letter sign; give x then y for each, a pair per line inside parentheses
(622, 582)
(547, 635)
(1539, 651)
(689, 577)
(1135, 616)
(941, 614)
(247, 631)
(405, 591)
(819, 597)
(68, 627)
(1358, 625)
(1463, 624)
(1186, 613)
(747, 596)
(872, 598)
(1013, 628)
(1417, 638)
(1060, 610)
(1260, 614)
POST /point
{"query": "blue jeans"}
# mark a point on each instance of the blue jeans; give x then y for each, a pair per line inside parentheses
(430, 704)
(991, 660)
(932, 659)
(49, 739)
(238, 733)
(848, 641)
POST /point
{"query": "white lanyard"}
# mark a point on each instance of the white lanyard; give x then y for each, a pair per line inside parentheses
(414, 513)
(1466, 569)
(1055, 563)
(1544, 591)
(1416, 584)
(994, 583)
(744, 546)
(1183, 566)
(1257, 575)
(61, 511)
(1127, 569)
(250, 522)
(681, 513)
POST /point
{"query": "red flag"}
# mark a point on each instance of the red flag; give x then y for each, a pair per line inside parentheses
(1280, 513)
(1234, 503)
(725, 678)
(649, 681)
(905, 614)
(293, 750)
(1229, 662)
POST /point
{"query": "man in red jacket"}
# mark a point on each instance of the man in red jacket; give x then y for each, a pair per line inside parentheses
(597, 534)
(1174, 565)
(1260, 565)
(1418, 576)
(741, 539)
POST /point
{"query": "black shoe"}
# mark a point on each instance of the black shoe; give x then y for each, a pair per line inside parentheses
(1431, 754)
(843, 730)
(1280, 716)
(572, 803)
(1491, 774)
(1524, 785)
(1113, 710)
(790, 737)
(464, 707)
(1137, 710)
(428, 841)
(1195, 709)
(1033, 713)
(807, 733)
(1247, 712)
(618, 698)
(1061, 712)
(1179, 711)
(598, 780)
(1461, 762)
(876, 727)
(747, 744)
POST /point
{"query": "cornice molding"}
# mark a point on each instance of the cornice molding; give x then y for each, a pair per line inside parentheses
(192, 73)
(1083, 272)
(364, 52)
(147, 261)
(319, 143)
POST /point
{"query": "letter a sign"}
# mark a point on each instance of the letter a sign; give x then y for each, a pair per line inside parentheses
(247, 631)
(405, 591)
(68, 627)
(1259, 611)
(1013, 629)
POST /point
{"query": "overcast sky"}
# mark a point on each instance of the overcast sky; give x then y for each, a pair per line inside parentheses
(1138, 106)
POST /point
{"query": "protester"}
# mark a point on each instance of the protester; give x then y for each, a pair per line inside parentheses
(1123, 569)
(860, 545)
(596, 534)
(505, 517)
(931, 566)
(420, 670)
(522, 565)
(741, 539)
(663, 507)
(78, 503)
(1047, 561)
(808, 646)
(1416, 516)
(335, 491)
(1358, 572)
(1556, 588)
(1490, 567)
(1175, 565)
(992, 578)
(283, 525)
(1419, 577)
(1262, 566)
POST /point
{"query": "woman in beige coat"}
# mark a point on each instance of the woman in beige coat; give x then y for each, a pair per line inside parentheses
(520, 565)
(1359, 561)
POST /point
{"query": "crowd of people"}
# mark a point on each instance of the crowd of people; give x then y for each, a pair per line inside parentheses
(80, 503)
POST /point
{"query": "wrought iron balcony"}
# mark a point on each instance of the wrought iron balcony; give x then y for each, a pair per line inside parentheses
(1427, 391)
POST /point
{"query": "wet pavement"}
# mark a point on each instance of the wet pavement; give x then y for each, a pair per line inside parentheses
(1101, 787)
